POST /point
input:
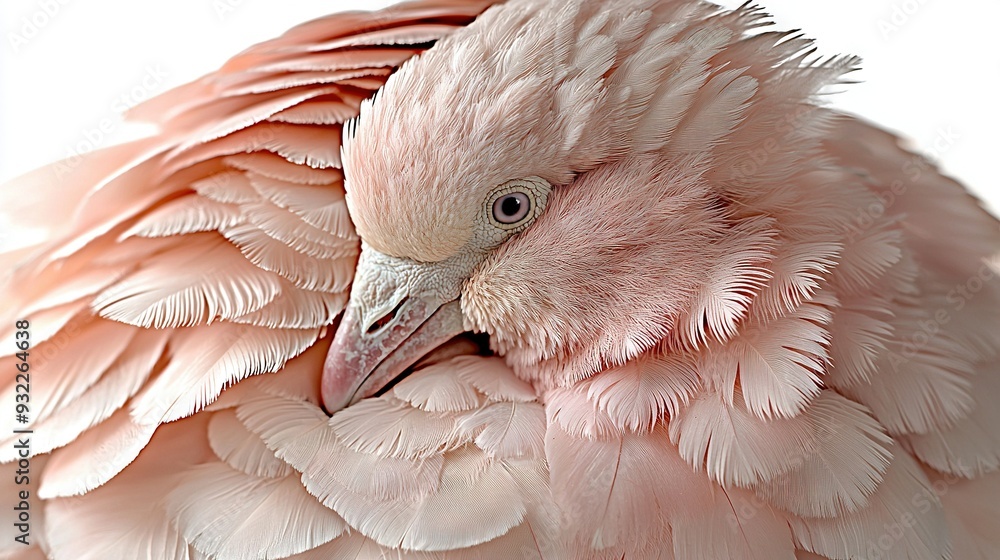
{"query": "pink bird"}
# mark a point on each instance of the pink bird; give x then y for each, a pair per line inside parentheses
(454, 280)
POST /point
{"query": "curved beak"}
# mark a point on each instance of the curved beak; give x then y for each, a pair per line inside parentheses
(360, 364)
(399, 311)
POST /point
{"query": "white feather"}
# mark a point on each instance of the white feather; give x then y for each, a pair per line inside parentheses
(493, 378)
(477, 501)
(508, 430)
(230, 515)
(297, 431)
(243, 450)
(438, 388)
(388, 427)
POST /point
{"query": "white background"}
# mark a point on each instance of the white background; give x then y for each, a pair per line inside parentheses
(68, 67)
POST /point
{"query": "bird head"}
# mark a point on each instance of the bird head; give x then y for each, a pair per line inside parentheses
(544, 176)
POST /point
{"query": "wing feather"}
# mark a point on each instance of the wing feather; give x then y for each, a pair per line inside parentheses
(321, 207)
(204, 360)
(971, 447)
(125, 518)
(65, 367)
(45, 324)
(841, 466)
(493, 378)
(904, 519)
(189, 214)
(332, 273)
(95, 457)
(387, 427)
(231, 515)
(105, 397)
(437, 388)
(198, 282)
(227, 187)
(296, 308)
(241, 449)
(342, 59)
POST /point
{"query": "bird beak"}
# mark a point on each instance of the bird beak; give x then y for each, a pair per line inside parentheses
(399, 311)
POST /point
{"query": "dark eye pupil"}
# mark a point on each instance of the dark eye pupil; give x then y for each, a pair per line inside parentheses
(510, 206)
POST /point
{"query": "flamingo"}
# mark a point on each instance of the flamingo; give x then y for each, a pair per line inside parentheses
(522, 279)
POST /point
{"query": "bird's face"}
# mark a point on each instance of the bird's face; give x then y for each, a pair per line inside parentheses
(402, 307)
(457, 155)
(565, 279)
(517, 180)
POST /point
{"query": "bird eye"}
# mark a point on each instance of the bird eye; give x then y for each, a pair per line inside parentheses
(511, 208)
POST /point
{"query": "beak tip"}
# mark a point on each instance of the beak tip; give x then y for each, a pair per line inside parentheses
(341, 375)
(341, 385)
(358, 365)
(332, 399)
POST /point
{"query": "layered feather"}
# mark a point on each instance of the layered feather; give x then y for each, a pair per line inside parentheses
(767, 374)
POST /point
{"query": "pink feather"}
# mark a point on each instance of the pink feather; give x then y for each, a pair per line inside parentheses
(740, 326)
